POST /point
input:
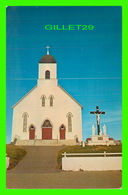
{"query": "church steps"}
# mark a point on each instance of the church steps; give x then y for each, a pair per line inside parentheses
(40, 142)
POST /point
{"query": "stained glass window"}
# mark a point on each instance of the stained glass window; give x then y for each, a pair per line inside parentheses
(69, 122)
(47, 123)
(25, 116)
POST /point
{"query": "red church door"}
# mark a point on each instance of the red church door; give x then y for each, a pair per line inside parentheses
(62, 132)
(46, 133)
(31, 132)
(47, 130)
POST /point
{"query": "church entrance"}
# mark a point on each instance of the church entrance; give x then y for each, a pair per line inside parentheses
(31, 132)
(46, 130)
(62, 132)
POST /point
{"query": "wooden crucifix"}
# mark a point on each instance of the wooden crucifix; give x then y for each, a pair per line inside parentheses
(97, 113)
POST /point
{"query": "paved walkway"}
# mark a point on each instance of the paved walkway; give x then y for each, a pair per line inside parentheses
(39, 159)
(38, 170)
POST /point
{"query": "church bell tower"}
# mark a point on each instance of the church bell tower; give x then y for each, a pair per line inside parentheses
(47, 67)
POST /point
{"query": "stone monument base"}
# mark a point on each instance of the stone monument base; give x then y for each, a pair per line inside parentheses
(100, 140)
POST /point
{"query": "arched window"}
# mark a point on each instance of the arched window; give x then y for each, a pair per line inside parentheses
(32, 127)
(69, 115)
(43, 97)
(25, 116)
(43, 101)
(47, 123)
(47, 74)
(51, 100)
(62, 127)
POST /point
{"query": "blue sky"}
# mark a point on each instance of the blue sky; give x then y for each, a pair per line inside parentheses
(89, 62)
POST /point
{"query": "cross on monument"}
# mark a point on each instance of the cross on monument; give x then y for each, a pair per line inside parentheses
(97, 113)
(47, 49)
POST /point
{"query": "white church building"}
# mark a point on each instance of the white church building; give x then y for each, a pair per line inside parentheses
(47, 115)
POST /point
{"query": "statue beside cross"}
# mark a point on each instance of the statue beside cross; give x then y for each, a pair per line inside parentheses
(98, 113)
(93, 129)
(105, 129)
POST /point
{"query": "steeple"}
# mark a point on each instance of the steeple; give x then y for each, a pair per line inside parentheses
(47, 67)
(47, 58)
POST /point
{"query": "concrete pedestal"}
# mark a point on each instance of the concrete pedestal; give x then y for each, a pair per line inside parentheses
(100, 140)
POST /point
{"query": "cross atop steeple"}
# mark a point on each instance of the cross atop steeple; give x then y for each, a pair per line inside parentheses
(47, 49)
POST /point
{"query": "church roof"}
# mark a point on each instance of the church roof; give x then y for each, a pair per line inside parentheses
(70, 96)
(47, 59)
(37, 86)
(24, 96)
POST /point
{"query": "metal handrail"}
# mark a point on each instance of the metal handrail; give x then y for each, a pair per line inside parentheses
(89, 154)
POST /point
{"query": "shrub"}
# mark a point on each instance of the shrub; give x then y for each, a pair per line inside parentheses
(16, 153)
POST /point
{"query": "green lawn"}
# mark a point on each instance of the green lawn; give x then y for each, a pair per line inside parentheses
(16, 153)
(88, 149)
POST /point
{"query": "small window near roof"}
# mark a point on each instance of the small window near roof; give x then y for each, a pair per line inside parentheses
(51, 101)
(47, 74)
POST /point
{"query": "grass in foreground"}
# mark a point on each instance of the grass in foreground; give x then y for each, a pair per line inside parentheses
(87, 149)
(16, 153)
